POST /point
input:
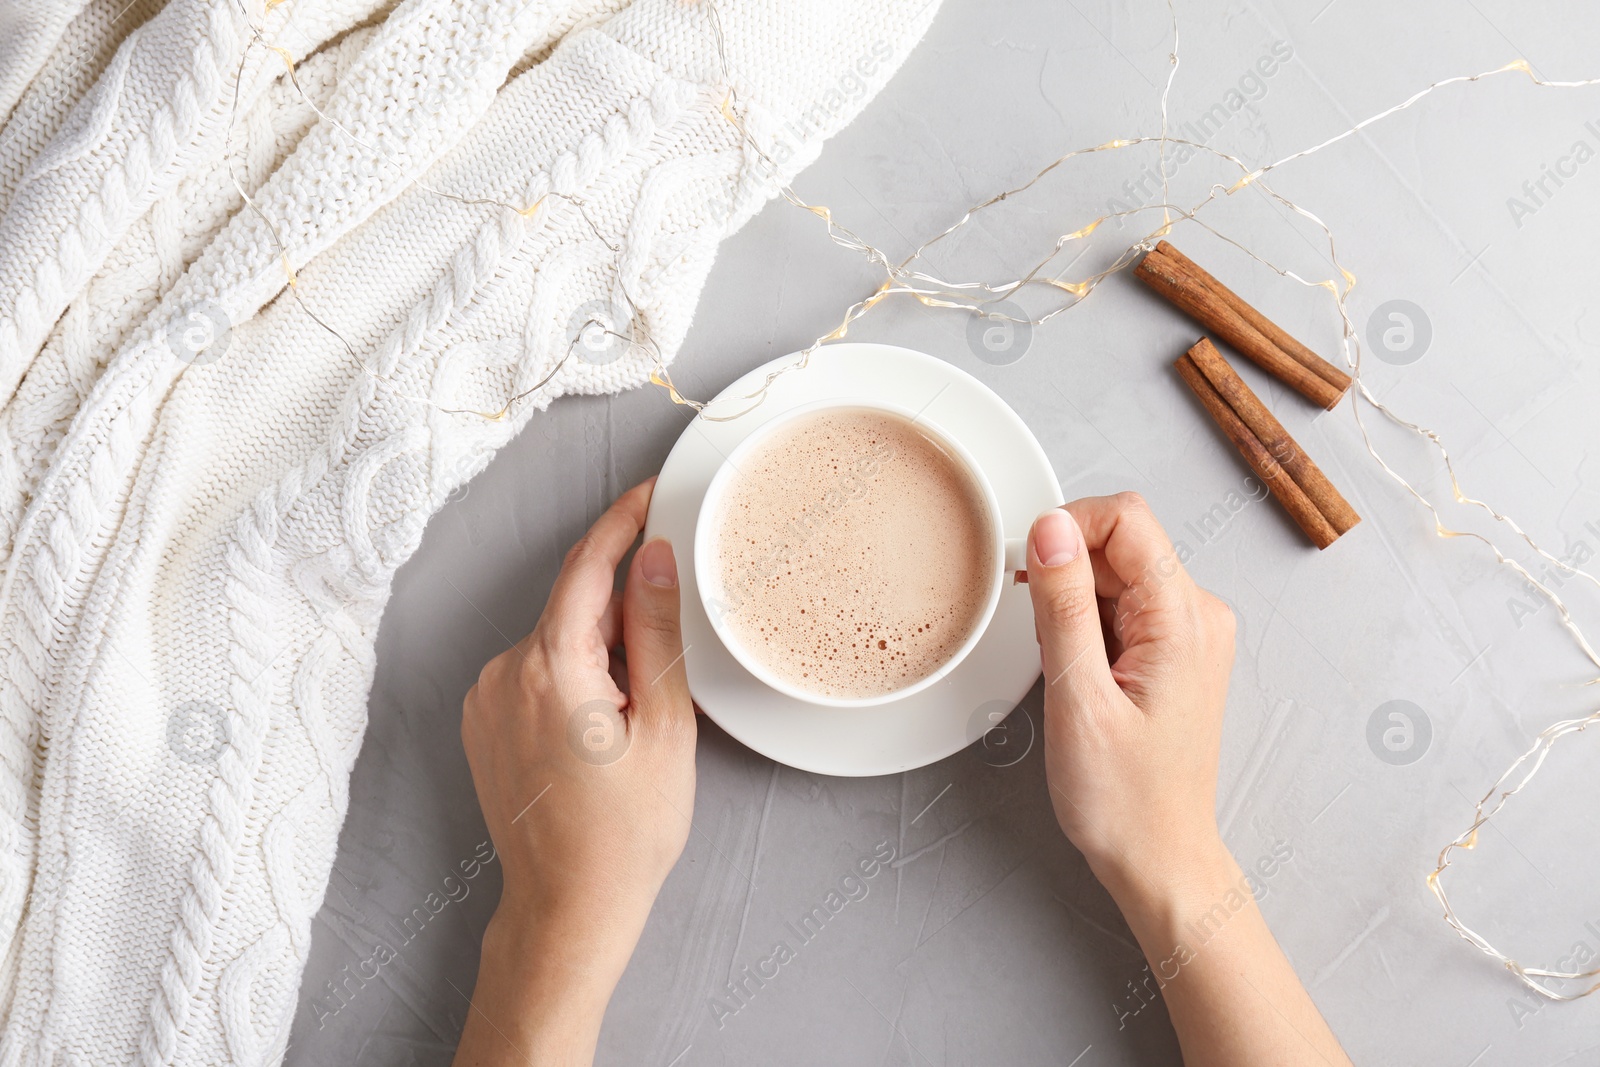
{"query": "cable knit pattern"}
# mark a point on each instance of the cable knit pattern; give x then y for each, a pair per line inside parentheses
(64, 75)
(197, 549)
(33, 29)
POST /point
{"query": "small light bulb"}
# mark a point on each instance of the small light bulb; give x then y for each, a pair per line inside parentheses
(1242, 182)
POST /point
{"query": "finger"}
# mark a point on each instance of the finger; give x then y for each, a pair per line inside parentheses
(1065, 610)
(1111, 628)
(611, 620)
(658, 683)
(1135, 550)
(583, 588)
(1108, 584)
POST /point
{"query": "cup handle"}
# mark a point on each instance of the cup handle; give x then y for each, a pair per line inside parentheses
(1016, 559)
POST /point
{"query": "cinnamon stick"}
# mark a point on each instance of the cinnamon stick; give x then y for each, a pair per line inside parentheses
(1270, 432)
(1223, 312)
(1286, 342)
(1289, 494)
(1266, 327)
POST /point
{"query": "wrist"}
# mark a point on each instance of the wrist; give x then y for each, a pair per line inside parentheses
(1167, 886)
(579, 951)
(542, 988)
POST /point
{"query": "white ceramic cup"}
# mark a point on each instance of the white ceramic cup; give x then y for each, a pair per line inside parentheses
(1007, 555)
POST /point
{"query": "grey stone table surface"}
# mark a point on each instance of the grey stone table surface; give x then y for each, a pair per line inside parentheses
(986, 940)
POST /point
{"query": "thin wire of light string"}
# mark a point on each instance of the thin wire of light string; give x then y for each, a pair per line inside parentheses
(934, 291)
(1166, 94)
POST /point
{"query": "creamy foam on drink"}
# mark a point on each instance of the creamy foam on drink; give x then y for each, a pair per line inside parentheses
(855, 555)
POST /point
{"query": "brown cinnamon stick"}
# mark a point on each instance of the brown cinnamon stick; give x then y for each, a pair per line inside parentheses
(1185, 284)
(1289, 494)
(1265, 326)
(1270, 432)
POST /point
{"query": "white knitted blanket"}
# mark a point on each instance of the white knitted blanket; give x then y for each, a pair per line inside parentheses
(198, 538)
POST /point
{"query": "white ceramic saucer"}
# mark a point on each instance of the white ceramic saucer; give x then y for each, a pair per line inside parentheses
(928, 725)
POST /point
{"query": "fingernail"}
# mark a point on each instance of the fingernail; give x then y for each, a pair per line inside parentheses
(657, 564)
(1056, 538)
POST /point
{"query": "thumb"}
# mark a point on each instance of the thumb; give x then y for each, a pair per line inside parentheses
(658, 686)
(1065, 611)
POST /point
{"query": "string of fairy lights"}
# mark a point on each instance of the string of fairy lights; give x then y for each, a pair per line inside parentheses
(910, 276)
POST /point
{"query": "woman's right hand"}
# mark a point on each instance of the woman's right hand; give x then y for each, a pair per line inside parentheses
(1136, 663)
(1136, 660)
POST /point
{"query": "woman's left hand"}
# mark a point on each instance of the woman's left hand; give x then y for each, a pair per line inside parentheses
(585, 771)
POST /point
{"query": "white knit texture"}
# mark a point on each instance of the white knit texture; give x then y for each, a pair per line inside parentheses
(191, 545)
